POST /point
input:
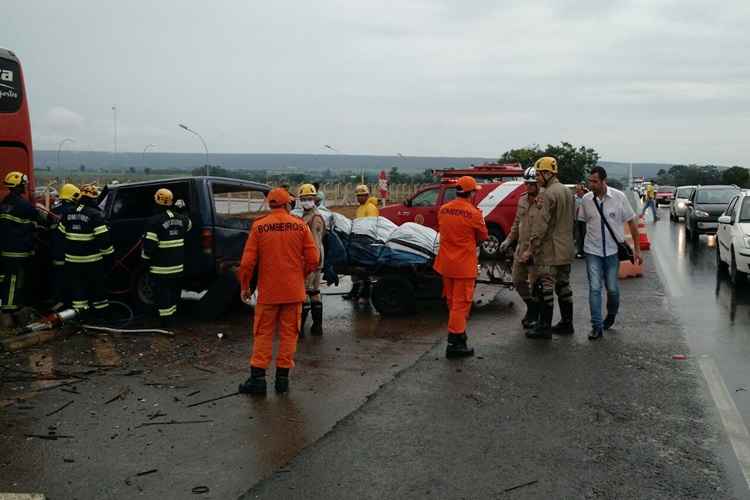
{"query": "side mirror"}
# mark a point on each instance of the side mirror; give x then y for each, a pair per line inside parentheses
(689, 203)
(725, 219)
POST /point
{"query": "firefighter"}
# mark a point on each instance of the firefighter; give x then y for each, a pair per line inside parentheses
(361, 282)
(88, 254)
(281, 251)
(164, 249)
(528, 214)
(18, 221)
(462, 228)
(70, 195)
(308, 197)
(551, 250)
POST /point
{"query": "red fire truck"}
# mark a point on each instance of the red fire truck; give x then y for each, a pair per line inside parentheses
(15, 127)
(502, 186)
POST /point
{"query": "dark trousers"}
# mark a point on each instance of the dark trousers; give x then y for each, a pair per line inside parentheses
(167, 288)
(86, 285)
(58, 283)
(15, 283)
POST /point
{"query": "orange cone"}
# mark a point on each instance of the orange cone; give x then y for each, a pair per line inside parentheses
(643, 242)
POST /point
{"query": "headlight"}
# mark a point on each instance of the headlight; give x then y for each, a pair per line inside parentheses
(701, 213)
(747, 241)
(681, 205)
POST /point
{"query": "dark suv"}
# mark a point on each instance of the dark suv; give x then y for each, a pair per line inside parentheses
(705, 206)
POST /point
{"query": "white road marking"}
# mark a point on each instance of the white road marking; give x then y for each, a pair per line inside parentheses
(730, 416)
(22, 496)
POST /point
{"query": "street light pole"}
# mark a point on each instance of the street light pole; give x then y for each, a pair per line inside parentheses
(205, 147)
(143, 155)
(114, 123)
(59, 147)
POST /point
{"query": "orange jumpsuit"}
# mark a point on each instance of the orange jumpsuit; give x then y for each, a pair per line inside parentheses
(282, 251)
(461, 227)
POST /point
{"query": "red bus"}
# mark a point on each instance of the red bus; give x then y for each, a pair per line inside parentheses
(16, 152)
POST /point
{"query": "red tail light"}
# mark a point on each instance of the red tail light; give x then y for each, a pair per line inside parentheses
(207, 241)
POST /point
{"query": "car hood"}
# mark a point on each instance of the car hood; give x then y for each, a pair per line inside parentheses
(713, 209)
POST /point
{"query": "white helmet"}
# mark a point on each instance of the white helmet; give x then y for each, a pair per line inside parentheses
(529, 176)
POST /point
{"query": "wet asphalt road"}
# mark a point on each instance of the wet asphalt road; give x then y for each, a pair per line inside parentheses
(130, 410)
(715, 315)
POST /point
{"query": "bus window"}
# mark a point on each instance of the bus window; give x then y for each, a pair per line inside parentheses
(15, 127)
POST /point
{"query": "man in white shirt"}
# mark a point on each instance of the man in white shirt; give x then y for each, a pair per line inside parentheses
(600, 248)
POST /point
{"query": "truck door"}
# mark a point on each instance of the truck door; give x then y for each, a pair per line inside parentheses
(423, 208)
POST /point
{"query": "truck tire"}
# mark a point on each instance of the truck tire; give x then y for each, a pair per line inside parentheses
(490, 248)
(141, 288)
(394, 296)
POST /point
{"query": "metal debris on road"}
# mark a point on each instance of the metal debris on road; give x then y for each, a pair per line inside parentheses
(192, 394)
(679, 357)
(174, 422)
(59, 409)
(199, 490)
(236, 393)
(519, 486)
(204, 369)
(48, 437)
(146, 472)
(120, 395)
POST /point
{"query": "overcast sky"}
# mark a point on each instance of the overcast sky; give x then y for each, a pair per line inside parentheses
(641, 80)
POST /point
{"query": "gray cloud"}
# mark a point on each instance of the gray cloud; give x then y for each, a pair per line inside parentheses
(659, 80)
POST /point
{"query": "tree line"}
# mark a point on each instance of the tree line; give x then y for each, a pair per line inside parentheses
(691, 175)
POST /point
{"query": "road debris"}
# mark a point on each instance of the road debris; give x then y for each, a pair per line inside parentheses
(193, 394)
(49, 437)
(120, 395)
(213, 399)
(199, 490)
(173, 422)
(204, 369)
(519, 486)
(59, 409)
(679, 357)
(147, 472)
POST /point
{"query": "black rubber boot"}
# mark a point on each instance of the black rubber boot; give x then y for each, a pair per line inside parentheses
(305, 312)
(565, 326)
(364, 293)
(609, 321)
(543, 327)
(457, 347)
(353, 293)
(317, 318)
(256, 384)
(596, 334)
(282, 380)
(532, 314)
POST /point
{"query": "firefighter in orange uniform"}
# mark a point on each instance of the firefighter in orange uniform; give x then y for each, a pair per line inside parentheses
(461, 227)
(281, 251)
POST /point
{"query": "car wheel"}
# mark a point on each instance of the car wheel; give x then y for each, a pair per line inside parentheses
(735, 275)
(491, 246)
(721, 266)
(142, 288)
(394, 296)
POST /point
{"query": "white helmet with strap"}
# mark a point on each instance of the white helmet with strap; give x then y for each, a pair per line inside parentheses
(529, 176)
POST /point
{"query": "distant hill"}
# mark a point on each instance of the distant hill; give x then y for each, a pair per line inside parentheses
(273, 162)
(280, 162)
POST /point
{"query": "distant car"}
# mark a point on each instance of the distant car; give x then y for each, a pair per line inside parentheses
(704, 207)
(664, 195)
(733, 238)
(678, 208)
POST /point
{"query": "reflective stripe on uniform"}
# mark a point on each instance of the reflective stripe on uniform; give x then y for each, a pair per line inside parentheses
(166, 269)
(152, 236)
(108, 251)
(79, 236)
(83, 259)
(15, 219)
(17, 255)
(80, 304)
(58, 262)
(168, 312)
(172, 243)
(11, 292)
(100, 229)
(100, 304)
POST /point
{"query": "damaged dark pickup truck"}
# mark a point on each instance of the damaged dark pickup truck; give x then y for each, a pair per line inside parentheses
(222, 211)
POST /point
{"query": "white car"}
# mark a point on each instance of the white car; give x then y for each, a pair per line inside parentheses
(733, 238)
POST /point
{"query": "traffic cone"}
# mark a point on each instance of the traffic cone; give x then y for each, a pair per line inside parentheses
(644, 242)
(627, 268)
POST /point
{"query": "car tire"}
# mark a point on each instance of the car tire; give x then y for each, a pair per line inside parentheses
(490, 248)
(736, 276)
(394, 296)
(142, 288)
(721, 266)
